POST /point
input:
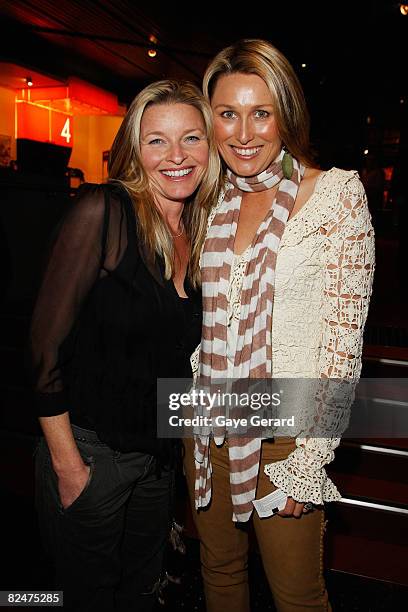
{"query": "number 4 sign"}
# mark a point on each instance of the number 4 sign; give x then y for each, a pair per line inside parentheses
(65, 133)
(62, 129)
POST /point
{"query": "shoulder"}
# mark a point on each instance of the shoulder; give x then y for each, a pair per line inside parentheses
(97, 191)
(340, 193)
(340, 183)
(91, 199)
(86, 213)
(88, 208)
(347, 208)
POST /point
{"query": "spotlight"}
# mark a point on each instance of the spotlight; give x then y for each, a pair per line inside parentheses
(152, 52)
(404, 9)
(303, 65)
(365, 151)
(29, 81)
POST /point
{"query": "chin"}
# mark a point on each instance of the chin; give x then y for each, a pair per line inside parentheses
(179, 195)
(244, 168)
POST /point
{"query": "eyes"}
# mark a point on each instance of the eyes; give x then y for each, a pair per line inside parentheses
(262, 114)
(258, 114)
(190, 139)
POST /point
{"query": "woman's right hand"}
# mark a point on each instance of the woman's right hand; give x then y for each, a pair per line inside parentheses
(72, 483)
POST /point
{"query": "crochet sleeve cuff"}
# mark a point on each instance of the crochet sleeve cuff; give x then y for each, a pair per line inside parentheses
(300, 478)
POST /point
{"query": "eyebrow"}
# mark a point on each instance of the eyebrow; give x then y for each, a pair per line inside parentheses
(234, 107)
(158, 133)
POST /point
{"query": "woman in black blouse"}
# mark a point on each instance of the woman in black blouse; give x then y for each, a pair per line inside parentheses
(119, 307)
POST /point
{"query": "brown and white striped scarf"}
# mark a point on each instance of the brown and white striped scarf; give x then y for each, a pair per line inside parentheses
(253, 355)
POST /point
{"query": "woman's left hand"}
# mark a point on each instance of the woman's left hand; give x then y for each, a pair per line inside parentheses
(293, 508)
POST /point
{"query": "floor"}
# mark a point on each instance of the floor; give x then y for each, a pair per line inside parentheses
(347, 593)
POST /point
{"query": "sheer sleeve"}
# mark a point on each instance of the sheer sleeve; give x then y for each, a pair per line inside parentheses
(73, 267)
(348, 276)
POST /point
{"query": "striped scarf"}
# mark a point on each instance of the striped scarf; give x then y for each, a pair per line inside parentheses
(253, 355)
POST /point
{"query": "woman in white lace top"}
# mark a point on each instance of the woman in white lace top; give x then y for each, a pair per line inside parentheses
(287, 274)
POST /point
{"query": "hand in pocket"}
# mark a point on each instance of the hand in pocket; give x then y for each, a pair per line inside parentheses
(72, 484)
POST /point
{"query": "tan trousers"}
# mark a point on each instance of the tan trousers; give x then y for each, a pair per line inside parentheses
(291, 549)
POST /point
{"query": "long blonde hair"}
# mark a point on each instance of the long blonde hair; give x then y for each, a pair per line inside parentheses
(254, 56)
(125, 167)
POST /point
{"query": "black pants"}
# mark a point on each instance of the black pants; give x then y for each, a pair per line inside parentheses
(108, 546)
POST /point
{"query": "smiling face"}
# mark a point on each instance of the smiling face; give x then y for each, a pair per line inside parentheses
(174, 150)
(244, 122)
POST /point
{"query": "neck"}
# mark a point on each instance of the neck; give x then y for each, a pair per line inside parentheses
(172, 212)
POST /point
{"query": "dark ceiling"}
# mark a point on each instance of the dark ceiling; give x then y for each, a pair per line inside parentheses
(106, 41)
(355, 51)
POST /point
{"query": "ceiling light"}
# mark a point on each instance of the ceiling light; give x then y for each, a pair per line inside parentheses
(365, 151)
(29, 81)
(152, 52)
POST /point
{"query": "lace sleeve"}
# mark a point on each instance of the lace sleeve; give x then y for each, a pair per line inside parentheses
(348, 275)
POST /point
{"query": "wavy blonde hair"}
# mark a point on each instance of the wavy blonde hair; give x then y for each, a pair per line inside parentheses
(126, 167)
(254, 56)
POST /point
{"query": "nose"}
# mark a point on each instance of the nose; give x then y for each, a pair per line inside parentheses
(246, 132)
(176, 153)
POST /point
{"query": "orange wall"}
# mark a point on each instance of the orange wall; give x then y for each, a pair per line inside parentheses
(92, 135)
(7, 114)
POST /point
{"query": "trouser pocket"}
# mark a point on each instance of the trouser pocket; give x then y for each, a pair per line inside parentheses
(47, 482)
(85, 491)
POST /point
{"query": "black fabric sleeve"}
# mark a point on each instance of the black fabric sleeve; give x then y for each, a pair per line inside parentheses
(73, 267)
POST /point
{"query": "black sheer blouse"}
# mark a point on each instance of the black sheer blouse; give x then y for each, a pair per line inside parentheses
(107, 324)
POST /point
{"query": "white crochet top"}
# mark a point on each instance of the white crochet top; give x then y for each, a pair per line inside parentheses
(323, 282)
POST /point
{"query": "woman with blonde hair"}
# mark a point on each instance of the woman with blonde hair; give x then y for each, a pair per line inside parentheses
(119, 307)
(287, 270)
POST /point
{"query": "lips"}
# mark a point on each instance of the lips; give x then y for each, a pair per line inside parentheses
(245, 152)
(178, 174)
